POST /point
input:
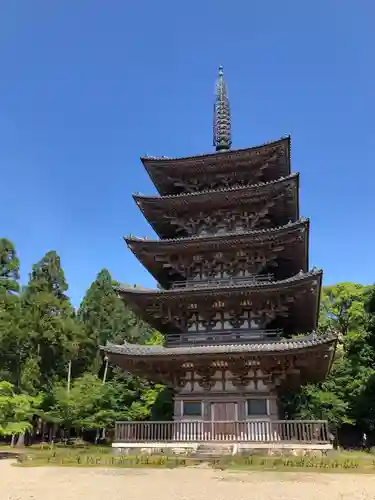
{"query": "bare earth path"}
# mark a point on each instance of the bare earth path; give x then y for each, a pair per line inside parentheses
(177, 484)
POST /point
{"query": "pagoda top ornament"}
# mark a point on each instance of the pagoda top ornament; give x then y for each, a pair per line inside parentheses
(222, 127)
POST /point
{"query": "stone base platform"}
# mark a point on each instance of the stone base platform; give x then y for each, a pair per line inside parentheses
(222, 448)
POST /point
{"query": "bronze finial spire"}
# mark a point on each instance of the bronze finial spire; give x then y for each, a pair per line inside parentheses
(222, 121)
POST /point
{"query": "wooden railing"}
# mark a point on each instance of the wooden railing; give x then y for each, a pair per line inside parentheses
(230, 336)
(218, 282)
(263, 431)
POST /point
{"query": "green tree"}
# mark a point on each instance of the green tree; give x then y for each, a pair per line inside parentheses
(53, 335)
(42, 340)
(345, 396)
(105, 315)
(89, 404)
(48, 276)
(73, 407)
(342, 307)
(16, 411)
(106, 318)
(10, 313)
(102, 311)
(9, 267)
(313, 402)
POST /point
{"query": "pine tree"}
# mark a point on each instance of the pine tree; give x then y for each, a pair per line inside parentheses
(102, 311)
(9, 266)
(54, 335)
(48, 276)
(10, 314)
(106, 317)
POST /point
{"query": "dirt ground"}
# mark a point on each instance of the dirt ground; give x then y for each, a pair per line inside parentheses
(179, 484)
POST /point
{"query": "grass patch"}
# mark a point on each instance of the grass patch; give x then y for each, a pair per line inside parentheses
(61, 448)
(334, 463)
(87, 459)
(86, 455)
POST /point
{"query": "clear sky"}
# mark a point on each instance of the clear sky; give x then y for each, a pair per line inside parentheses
(88, 86)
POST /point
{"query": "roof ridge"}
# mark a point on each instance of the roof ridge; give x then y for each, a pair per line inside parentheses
(236, 187)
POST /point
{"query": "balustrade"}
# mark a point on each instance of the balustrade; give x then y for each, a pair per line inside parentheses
(264, 431)
(230, 336)
(218, 282)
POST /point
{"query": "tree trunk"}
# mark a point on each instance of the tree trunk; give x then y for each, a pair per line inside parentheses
(20, 440)
(97, 435)
(12, 441)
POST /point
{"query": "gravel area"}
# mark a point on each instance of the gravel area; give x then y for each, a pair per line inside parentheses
(49, 483)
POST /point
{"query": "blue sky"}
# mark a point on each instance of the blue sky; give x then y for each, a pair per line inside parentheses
(88, 86)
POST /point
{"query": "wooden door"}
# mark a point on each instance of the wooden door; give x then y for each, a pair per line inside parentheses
(224, 412)
(223, 416)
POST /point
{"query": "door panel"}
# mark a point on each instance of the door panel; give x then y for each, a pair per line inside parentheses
(224, 416)
(224, 412)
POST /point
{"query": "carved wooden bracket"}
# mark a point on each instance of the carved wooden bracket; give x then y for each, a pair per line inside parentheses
(206, 373)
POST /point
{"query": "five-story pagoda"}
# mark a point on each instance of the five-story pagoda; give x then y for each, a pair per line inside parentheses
(236, 301)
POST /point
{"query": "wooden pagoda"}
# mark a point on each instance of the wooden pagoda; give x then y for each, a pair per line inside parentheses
(236, 301)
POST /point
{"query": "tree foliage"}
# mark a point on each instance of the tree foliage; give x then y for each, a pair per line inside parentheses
(16, 410)
(342, 307)
(346, 396)
(9, 267)
(78, 405)
(42, 339)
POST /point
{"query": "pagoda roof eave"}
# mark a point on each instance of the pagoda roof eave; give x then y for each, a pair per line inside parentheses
(310, 356)
(126, 290)
(139, 199)
(161, 160)
(150, 251)
(159, 211)
(259, 234)
(267, 161)
(259, 348)
(141, 299)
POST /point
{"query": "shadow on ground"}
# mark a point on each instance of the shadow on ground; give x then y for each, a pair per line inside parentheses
(8, 455)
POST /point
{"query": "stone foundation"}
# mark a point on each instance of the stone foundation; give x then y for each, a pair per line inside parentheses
(188, 449)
